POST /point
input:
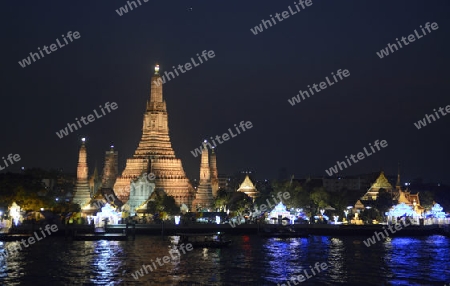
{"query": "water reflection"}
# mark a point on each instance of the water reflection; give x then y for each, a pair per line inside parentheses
(105, 259)
(404, 256)
(250, 260)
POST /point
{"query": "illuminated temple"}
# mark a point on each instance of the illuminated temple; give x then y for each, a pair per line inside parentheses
(408, 205)
(248, 188)
(82, 193)
(380, 183)
(204, 197)
(155, 154)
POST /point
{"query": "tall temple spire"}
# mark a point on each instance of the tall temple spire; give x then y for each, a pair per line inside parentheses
(214, 174)
(155, 153)
(82, 193)
(204, 198)
(94, 182)
(110, 170)
(205, 172)
(156, 89)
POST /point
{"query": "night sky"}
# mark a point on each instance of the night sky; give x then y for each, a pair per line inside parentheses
(251, 78)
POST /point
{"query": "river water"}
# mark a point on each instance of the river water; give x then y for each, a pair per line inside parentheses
(250, 260)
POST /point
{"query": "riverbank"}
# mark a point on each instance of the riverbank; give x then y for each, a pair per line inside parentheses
(244, 229)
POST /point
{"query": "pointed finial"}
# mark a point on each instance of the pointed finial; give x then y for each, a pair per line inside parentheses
(157, 69)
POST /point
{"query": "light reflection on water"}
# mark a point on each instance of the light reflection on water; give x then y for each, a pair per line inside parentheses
(250, 260)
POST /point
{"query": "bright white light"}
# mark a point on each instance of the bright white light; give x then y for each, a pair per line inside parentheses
(42, 209)
(107, 213)
(14, 212)
(217, 219)
(157, 69)
(292, 218)
(401, 210)
(83, 139)
(177, 219)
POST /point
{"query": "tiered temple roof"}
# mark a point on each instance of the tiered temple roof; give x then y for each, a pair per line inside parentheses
(82, 194)
(248, 188)
(204, 197)
(410, 199)
(155, 154)
(380, 183)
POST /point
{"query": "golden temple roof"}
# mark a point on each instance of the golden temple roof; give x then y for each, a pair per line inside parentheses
(381, 182)
(248, 187)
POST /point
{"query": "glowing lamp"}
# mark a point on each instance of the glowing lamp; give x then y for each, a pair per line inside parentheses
(177, 219)
(83, 139)
(157, 69)
(217, 219)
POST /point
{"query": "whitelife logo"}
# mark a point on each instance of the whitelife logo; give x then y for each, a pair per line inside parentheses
(124, 9)
(423, 123)
(323, 85)
(285, 15)
(360, 155)
(165, 260)
(187, 66)
(303, 278)
(90, 118)
(262, 208)
(225, 137)
(31, 240)
(411, 38)
(371, 240)
(26, 62)
(10, 158)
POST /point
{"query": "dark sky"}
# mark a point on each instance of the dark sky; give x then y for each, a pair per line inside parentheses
(251, 78)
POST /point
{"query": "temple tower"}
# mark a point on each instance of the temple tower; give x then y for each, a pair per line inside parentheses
(111, 170)
(81, 191)
(94, 183)
(214, 174)
(204, 198)
(155, 154)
